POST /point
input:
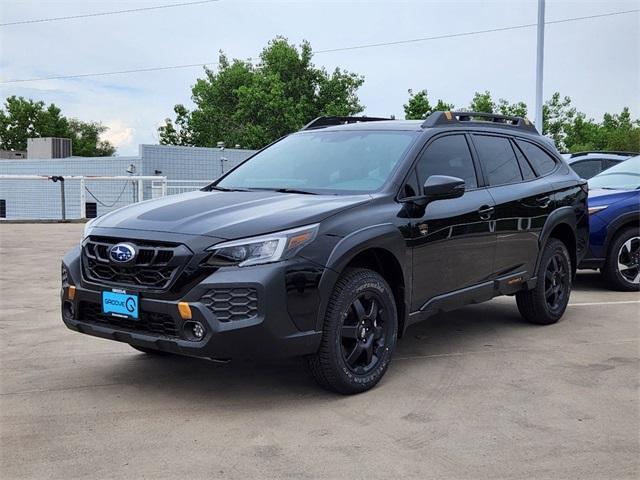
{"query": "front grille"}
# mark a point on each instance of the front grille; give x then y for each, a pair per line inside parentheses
(155, 265)
(231, 304)
(150, 323)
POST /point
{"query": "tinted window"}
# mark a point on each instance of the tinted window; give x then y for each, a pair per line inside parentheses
(525, 167)
(340, 160)
(448, 155)
(610, 163)
(541, 161)
(587, 168)
(410, 188)
(498, 159)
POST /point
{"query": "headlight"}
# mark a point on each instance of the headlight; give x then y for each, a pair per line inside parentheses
(264, 249)
(593, 210)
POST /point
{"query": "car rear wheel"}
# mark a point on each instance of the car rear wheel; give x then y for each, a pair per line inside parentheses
(621, 270)
(359, 334)
(545, 304)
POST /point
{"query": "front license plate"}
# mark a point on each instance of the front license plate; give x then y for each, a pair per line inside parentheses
(120, 304)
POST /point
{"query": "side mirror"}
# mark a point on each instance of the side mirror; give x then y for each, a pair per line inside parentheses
(438, 187)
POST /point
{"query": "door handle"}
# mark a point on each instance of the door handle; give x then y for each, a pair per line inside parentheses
(543, 201)
(485, 212)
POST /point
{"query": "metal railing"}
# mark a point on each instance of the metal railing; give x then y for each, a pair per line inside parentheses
(65, 197)
(174, 187)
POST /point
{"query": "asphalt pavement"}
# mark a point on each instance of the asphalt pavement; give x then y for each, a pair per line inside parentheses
(473, 394)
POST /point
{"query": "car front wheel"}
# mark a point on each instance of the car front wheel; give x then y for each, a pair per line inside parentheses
(621, 270)
(359, 333)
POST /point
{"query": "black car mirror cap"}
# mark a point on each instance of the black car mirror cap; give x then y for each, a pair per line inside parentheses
(438, 187)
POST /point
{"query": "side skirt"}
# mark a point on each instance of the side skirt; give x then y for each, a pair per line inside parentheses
(482, 292)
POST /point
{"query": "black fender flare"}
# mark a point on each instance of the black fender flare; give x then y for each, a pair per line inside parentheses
(559, 216)
(615, 226)
(384, 236)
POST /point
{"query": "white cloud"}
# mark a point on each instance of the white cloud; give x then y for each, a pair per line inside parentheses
(119, 134)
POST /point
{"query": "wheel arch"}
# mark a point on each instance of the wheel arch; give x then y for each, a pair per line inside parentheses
(561, 224)
(624, 221)
(380, 248)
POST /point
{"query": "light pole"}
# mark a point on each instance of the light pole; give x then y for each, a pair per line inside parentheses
(539, 65)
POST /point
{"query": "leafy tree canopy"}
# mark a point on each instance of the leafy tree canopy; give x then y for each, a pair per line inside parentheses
(418, 107)
(569, 128)
(21, 119)
(252, 105)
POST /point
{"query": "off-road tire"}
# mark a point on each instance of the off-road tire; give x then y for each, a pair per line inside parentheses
(329, 366)
(534, 305)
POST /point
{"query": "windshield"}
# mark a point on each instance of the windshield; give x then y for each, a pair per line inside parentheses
(624, 176)
(336, 161)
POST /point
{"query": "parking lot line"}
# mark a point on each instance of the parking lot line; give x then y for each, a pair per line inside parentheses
(589, 304)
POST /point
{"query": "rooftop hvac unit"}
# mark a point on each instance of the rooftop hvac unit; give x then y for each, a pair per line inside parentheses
(48, 147)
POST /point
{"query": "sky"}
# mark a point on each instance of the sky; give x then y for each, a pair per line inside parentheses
(596, 62)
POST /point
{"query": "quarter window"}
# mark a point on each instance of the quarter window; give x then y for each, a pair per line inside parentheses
(498, 159)
(542, 162)
(587, 168)
(448, 155)
(525, 167)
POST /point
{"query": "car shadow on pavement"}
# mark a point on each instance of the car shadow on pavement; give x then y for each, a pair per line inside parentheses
(468, 329)
(588, 280)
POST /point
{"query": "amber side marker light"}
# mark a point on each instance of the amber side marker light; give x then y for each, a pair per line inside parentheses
(71, 292)
(299, 239)
(185, 310)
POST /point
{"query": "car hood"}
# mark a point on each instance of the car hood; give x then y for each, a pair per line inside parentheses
(603, 196)
(228, 215)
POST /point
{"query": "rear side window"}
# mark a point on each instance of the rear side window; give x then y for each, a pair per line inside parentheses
(610, 163)
(587, 168)
(448, 155)
(498, 159)
(541, 161)
(525, 167)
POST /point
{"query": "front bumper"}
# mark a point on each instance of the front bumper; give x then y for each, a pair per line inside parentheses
(282, 325)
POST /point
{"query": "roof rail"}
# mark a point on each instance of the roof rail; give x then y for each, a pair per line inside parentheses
(439, 119)
(605, 152)
(328, 121)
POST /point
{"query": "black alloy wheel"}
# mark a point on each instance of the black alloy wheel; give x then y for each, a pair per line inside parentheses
(556, 282)
(363, 332)
(359, 333)
(547, 301)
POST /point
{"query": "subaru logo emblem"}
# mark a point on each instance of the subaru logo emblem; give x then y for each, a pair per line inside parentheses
(122, 253)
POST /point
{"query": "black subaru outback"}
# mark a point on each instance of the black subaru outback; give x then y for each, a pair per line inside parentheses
(331, 241)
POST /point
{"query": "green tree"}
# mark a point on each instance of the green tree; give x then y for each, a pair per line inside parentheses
(418, 106)
(482, 103)
(22, 118)
(518, 109)
(85, 139)
(253, 105)
(557, 116)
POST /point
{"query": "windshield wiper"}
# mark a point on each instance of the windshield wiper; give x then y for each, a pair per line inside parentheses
(293, 190)
(224, 189)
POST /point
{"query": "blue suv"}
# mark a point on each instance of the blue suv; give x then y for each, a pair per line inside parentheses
(614, 221)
